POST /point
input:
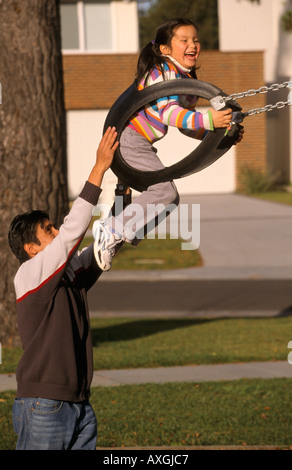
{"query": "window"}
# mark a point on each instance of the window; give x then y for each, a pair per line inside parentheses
(86, 25)
(69, 26)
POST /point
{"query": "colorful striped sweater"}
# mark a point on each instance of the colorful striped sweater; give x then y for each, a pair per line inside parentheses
(153, 120)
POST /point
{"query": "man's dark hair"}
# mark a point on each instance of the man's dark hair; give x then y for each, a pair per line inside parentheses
(23, 230)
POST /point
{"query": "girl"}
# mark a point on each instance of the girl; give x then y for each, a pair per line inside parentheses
(172, 55)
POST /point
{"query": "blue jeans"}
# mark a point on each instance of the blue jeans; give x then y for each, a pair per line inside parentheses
(43, 424)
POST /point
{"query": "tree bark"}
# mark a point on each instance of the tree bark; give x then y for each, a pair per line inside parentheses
(33, 168)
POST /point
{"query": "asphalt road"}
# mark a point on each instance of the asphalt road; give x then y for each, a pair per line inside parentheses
(245, 244)
(197, 297)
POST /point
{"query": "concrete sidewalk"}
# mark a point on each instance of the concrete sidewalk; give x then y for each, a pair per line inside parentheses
(241, 237)
(245, 233)
(196, 374)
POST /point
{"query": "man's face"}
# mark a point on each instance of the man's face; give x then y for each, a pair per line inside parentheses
(45, 233)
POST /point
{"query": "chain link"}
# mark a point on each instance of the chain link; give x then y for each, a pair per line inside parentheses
(268, 107)
(261, 90)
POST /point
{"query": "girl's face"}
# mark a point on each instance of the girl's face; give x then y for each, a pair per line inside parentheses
(184, 47)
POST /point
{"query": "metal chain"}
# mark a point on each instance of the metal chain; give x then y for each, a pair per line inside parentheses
(263, 89)
(268, 107)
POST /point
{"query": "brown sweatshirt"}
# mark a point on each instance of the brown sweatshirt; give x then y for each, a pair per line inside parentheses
(52, 311)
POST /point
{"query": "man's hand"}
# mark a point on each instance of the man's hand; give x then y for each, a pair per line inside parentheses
(107, 148)
(104, 156)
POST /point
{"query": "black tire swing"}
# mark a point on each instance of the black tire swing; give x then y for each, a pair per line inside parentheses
(212, 147)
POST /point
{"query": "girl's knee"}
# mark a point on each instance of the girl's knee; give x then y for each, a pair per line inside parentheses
(168, 193)
(176, 197)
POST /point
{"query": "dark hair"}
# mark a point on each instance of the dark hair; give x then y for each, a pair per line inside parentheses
(23, 230)
(150, 56)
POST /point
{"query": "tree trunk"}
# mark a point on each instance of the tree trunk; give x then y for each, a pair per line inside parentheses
(33, 168)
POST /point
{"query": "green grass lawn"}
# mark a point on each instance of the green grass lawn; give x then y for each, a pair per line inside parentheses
(135, 342)
(251, 412)
(228, 413)
(242, 412)
(156, 254)
(124, 343)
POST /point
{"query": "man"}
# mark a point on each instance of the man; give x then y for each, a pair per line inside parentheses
(52, 409)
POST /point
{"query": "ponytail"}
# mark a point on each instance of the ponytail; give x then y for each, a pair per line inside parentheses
(150, 56)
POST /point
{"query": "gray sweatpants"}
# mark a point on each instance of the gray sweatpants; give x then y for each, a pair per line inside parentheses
(152, 205)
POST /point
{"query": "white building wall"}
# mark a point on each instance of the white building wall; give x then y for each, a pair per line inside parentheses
(84, 130)
(250, 26)
(125, 26)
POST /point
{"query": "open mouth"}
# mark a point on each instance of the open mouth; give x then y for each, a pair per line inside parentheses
(191, 55)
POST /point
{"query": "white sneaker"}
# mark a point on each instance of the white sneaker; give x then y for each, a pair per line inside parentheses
(105, 245)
